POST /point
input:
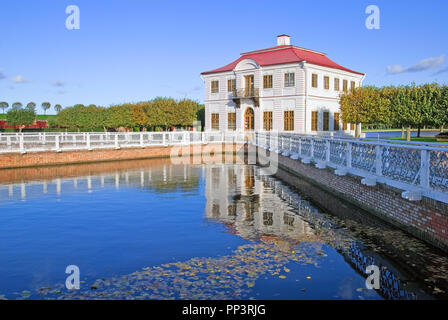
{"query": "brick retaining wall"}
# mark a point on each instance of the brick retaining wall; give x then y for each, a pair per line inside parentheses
(426, 219)
(34, 159)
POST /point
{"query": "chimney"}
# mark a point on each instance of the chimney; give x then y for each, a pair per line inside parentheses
(283, 40)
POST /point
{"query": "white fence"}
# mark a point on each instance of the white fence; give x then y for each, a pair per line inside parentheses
(68, 141)
(418, 169)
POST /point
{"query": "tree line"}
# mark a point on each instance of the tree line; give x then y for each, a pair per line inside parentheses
(153, 115)
(31, 106)
(406, 107)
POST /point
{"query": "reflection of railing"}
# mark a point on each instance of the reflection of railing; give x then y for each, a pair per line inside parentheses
(419, 170)
(391, 287)
(66, 141)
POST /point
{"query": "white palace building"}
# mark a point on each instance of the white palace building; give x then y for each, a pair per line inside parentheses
(283, 88)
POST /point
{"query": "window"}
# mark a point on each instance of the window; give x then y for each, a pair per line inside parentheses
(344, 125)
(326, 82)
(344, 85)
(336, 121)
(289, 79)
(326, 121)
(215, 86)
(268, 219)
(231, 121)
(352, 85)
(215, 121)
(267, 120)
(249, 119)
(267, 81)
(314, 80)
(352, 126)
(288, 120)
(231, 85)
(336, 84)
(314, 119)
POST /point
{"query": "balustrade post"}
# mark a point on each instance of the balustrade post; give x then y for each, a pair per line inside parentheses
(424, 168)
(21, 144)
(141, 140)
(44, 139)
(312, 148)
(56, 142)
(327, 151)
(349, 154)
(290, 144)
(300, 146)
(163, 139)
(8, 141)
(88, 141)
(117, 146)
(378, 160)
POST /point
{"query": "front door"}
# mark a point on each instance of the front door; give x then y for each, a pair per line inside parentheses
(249, 119)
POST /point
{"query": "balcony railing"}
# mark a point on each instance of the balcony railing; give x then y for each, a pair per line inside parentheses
(246, 93)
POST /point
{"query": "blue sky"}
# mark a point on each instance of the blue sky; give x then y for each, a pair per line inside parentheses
(135, 50)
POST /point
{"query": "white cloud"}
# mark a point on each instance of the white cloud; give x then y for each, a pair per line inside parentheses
(425, 64)
(441, 71)
(19, 79)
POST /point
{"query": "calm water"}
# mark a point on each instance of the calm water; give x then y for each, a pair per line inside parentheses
(152, 230)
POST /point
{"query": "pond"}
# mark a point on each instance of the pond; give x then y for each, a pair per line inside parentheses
(153, 230)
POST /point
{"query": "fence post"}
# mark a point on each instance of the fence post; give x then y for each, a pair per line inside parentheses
(141, 140)
(117, 146)
(424, 168)
(378, 160)
(88, 141)
(56, 141)
(312, 148)
(327, 151)
(21, 144)
(300, 146)
(349, 154)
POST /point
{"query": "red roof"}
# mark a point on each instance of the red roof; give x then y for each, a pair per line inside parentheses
(282, 55)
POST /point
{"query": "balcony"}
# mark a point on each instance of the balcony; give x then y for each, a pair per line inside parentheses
(246, 93)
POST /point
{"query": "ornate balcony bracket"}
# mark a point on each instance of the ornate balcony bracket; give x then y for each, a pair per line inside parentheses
(247, 93)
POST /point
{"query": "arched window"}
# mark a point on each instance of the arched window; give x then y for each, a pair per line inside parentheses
(249, 119)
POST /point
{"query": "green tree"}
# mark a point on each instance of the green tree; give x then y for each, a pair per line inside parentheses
(364, 105)
(4, 105)
(57, 108)
(45, 106)
(31, 106)
(118, 116)
(17, 105)
(20, 117)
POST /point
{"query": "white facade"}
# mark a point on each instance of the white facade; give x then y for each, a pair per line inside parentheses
(302, 98)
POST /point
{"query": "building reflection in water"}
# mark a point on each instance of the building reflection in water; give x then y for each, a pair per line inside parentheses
(258, 206)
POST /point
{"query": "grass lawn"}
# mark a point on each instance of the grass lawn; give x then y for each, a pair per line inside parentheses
(399, 129)
(421, 139)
